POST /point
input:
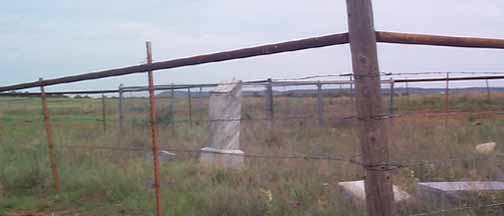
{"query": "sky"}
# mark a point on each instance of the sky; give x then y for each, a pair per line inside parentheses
(55, 38)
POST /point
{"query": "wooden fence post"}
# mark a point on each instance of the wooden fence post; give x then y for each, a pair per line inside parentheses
(447, 99)
(48, 129)
(372, 131)
(488, 90)
(104, 113)
(172, 104)
(201, 105)
(351, 89)
(269, 100)
(320, 105)
(407, 94)
(121, 110)
(189, 101)
(391, 101)
(154, 131)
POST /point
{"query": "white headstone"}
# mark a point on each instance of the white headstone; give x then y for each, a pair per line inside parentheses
(224, 115)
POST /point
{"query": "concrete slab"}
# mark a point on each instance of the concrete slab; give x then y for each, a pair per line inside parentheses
(447, 194)
(222, 158)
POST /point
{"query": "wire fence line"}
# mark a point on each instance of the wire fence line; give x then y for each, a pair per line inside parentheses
(389, 165)
(294, 81)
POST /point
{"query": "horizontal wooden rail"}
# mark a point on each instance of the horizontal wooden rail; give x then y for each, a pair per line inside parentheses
(309, 43)
(289, 46)
(438, 40)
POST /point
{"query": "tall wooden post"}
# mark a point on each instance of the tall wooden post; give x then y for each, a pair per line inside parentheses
(104, 113)
(48, 129)
(320, 105)
(269, 100)
(154, 131)
(372, 131)
(189, 101)
(121, 110)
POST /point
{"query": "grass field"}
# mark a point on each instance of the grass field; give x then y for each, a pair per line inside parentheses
(119, 182)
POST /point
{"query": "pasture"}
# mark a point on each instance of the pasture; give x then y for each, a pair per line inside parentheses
(106, 173)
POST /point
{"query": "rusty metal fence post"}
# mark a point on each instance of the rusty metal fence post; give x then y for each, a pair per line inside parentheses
(154, 132)
(48, 129)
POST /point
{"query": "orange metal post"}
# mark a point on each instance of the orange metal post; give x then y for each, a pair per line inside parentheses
(48, 129)
(154, 132)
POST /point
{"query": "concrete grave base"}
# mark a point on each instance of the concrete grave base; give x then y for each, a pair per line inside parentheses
(222, 158)
(452, 194)
(355, 191)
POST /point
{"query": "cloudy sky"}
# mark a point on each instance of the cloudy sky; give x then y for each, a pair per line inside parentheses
(54, 38)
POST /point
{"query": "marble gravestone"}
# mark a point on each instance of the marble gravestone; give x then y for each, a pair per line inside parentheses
(224, 114)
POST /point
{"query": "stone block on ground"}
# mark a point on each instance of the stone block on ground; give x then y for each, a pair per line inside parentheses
(222, 158)
(448, 194)
(486, 148)
(355, 191)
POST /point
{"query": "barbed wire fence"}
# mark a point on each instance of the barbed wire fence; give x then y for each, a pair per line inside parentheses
(366, 95)
(313, 115)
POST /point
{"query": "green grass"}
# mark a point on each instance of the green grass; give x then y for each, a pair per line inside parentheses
(104, 182)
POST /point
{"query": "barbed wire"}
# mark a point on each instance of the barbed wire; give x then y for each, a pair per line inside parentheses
(199, 151)
(385, 166)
